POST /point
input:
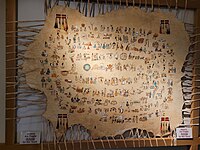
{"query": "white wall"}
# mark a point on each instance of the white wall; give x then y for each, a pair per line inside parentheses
(2, 69)
(30, 9)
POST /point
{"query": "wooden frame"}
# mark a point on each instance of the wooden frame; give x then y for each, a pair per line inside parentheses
(11, 15)
(11, 9)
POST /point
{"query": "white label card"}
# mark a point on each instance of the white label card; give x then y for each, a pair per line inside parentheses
(30, 137)
(184, 133)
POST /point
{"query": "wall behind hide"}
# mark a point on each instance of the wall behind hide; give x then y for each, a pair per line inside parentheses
(29, 10)
(2, 68)
(34, 10)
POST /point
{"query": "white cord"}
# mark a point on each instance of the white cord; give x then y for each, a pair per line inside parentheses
(102, 143)
(164, 141)
(150, 139)
(186, 3)
(93, 144)
(108, 142)
(124, 141)
(115, 142)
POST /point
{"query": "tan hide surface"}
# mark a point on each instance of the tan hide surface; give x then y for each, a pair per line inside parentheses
(112, 72)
